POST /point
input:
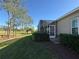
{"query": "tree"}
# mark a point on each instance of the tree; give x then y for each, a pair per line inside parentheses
(26, 22)
(31, 29)
(15, 11)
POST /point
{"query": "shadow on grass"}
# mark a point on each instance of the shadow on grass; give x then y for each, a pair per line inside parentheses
(25, 48)
(8, 42)
(13, 42)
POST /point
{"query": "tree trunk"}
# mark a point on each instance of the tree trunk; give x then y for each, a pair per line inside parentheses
(8, 32)
(13, 27)
(8, 29)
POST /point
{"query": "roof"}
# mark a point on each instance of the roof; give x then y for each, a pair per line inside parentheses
(45, 22)
(72, 11)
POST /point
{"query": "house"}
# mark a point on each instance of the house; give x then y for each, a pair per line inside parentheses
(67, 24)
(43, 25)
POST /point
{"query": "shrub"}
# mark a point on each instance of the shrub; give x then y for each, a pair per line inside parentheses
(70, 41)
(40, 36)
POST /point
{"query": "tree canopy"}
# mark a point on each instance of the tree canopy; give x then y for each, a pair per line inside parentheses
(16, 10)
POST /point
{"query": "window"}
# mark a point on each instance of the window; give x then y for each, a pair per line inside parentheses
(52, 30)
(75, 26)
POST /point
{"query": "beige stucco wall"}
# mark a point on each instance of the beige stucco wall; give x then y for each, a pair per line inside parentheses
(65, 25)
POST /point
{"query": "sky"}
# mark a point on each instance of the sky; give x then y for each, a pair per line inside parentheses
(44, 9)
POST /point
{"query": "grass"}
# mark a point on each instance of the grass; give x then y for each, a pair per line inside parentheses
(6, 43)
(25, 48)
(3, 34)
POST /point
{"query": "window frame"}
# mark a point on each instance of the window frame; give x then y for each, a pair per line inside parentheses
(76, 26)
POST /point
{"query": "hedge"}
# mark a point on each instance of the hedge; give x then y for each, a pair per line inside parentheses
(70, 41)
(37, 36)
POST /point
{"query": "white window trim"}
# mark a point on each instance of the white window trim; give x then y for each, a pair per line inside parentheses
(78, 23)
(54, 31)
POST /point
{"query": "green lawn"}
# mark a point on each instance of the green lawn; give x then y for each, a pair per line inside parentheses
(2, 32)
(25, 48)
(6, 43)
